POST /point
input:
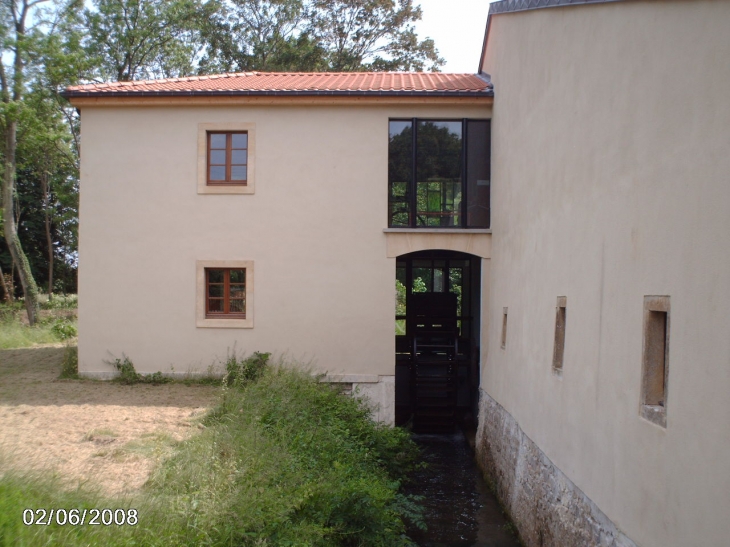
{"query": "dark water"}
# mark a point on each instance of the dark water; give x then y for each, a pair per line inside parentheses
(460, 509)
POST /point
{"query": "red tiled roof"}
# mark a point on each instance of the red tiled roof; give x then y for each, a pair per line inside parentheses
(297, 83)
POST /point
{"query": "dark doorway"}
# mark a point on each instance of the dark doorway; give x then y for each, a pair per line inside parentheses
(437, 339)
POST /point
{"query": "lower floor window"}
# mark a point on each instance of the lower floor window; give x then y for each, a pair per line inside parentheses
(225, 292)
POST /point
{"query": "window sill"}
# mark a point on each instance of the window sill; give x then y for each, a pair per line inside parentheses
(656, 414)
(225, 189)
(225, 323)
(437, 230)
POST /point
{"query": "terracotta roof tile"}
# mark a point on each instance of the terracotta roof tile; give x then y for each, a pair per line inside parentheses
(297, 83)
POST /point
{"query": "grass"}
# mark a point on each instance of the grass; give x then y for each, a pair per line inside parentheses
(282, 460)
(56, 324)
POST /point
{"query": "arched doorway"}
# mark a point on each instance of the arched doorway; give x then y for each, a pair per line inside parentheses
(437, 327)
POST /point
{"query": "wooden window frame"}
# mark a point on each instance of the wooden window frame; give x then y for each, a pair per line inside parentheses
(205, 319)
(229, 159)
(203, 158)
(226, 298)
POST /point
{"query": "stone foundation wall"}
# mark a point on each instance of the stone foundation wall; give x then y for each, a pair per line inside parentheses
(378, 390)
(545, 506)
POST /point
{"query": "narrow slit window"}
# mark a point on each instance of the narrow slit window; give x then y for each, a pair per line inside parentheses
(655, 366)
(559, 347)
(504, 328)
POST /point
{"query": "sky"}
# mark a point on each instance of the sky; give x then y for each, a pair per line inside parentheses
(457, 27)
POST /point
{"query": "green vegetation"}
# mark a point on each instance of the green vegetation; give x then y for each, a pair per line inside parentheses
(129, 376)
(70, 363)
(283, 460)
(57, 323)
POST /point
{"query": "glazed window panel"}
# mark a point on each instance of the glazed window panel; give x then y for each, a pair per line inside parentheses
(227, 158)
(225, 293)
(438, 173)
(400, 172)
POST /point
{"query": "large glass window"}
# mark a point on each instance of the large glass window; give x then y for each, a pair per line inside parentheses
(438, 173)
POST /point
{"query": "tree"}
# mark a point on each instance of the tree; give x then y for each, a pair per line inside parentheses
(137, 39)
(15, 31)
(266, 35)
(316, 35)
(39, 148)
(367, 35)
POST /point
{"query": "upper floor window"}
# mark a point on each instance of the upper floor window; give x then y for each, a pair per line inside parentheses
(227, 158)
(438, 173)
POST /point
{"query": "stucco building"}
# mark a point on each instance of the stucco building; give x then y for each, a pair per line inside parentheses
(556, 227)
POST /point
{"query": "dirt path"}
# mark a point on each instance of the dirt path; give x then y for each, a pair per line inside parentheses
(107, 435)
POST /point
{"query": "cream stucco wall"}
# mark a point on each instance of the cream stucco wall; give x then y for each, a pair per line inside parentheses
(611, 181)
(313, 230)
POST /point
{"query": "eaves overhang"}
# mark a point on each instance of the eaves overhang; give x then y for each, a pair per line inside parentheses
(74, 94)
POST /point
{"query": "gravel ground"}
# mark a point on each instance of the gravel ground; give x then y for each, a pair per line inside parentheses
(106, 435)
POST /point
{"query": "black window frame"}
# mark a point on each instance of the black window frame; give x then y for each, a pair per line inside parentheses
(413, 183)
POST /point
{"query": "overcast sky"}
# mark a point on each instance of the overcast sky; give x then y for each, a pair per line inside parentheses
(457, 27)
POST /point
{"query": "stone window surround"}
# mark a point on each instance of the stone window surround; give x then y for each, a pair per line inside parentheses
(201, 321)
(203, 186)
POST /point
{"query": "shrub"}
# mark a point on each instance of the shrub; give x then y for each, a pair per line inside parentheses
(70, 363)
(128, 375)
(240, 371)
(64, 329)
(60, 302)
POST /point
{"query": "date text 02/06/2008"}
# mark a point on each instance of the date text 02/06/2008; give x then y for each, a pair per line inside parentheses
(80, 517)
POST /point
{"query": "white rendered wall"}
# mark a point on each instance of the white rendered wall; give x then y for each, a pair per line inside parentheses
(324, 285)
(611, 181)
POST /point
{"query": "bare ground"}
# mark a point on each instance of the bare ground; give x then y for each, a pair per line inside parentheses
(105, 435)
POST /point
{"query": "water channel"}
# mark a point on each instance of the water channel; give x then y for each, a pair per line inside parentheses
(461, 511)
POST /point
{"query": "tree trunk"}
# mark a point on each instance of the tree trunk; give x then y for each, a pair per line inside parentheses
(6, 293)
(30, 290)
(49, 241)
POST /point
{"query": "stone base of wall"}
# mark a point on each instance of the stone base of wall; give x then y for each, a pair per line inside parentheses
(545, 506)
(378, 390)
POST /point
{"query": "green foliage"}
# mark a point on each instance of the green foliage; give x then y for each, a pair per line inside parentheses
(138, 39)
(60, 302)
(49, 330)
(240, 371)
(128, 375)
(315, 35)
(289, 460)
(70, 363)
(283, 460)
(366, 35)
(64, 329)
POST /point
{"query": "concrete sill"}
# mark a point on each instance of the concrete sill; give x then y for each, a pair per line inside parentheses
(655, 414)
(437, 230)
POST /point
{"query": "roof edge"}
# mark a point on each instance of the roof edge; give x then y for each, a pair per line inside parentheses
(74, 94)
(513, 6)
